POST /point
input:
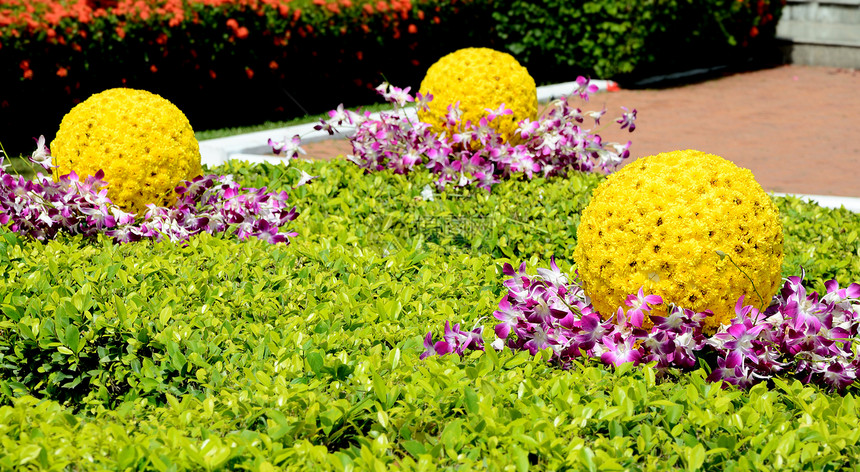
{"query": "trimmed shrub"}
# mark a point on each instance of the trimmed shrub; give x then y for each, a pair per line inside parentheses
(630, 40)
(228, 354)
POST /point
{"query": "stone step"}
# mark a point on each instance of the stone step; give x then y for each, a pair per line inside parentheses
(824, 11)
(825, 55)
(821, 32)
(837, 34)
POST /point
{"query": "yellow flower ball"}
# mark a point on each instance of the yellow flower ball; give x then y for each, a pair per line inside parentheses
(142, 142)
(658, 224)
(479, 78)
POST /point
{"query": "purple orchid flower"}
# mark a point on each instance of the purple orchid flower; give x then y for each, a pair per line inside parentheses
(435, 348)
(639, 304)
(41, 208)
(474, 153)
(628, 119)
(753, 347)
(619, 350)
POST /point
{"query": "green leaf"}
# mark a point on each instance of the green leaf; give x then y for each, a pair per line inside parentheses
(164, 315)
(470, 400)
(521, 458)
(586, 455)
(452, 435)
(414, 447)
(119, 305)
(379, 388)
(11, 312)
(28, 453)
(694, 457)
(315, 362)
(493, 356)
(72, 338)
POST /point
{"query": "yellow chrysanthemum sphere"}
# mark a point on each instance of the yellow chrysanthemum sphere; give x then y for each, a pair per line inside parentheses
(142, 142)
(659, 223)
(479, 78)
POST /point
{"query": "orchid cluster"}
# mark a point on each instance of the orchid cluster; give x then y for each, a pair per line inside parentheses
(799, 334)
(475, 153)
(41, 208)
(454, 340)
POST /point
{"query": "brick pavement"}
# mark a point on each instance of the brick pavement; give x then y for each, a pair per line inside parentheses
(795, 127)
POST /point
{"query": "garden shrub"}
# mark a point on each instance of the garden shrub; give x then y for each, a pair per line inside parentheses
(824, 242)
(629, 40)
(385, 212)
(241, 354)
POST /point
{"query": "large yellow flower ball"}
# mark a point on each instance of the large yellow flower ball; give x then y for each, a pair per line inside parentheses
(659, 223)
(479, 78)
(142, 142)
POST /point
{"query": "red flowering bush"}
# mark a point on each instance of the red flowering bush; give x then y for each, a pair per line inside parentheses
(224, 62)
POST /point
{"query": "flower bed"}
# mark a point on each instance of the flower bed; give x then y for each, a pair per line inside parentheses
(235, 352)
(232, 354)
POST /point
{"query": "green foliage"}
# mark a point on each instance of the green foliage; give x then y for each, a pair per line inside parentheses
(825, 242)
(385, 212)
(624, 38)
(224, 354)
(518, 220)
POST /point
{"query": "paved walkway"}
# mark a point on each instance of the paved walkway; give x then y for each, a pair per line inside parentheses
(796, 127)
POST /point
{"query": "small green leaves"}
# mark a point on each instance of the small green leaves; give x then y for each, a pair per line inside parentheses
(306, 356)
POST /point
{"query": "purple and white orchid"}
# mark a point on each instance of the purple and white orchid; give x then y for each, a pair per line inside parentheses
(41, 208)
(800, 334)
(290, 147)
(474, 154)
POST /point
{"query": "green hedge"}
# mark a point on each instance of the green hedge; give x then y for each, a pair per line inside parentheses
(630, 40)
(241, 355)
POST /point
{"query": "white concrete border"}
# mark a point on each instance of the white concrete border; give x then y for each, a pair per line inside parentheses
(551, 92)
(254, 147)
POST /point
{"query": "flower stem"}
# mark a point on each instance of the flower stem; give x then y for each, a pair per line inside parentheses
(761, 300)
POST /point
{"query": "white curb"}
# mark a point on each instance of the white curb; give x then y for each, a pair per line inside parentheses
(254, 146)
(827, 201)
(547, 93)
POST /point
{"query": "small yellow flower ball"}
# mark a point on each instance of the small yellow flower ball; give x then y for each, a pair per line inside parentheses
(659, 223)
(142, 142)
(479, 78)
